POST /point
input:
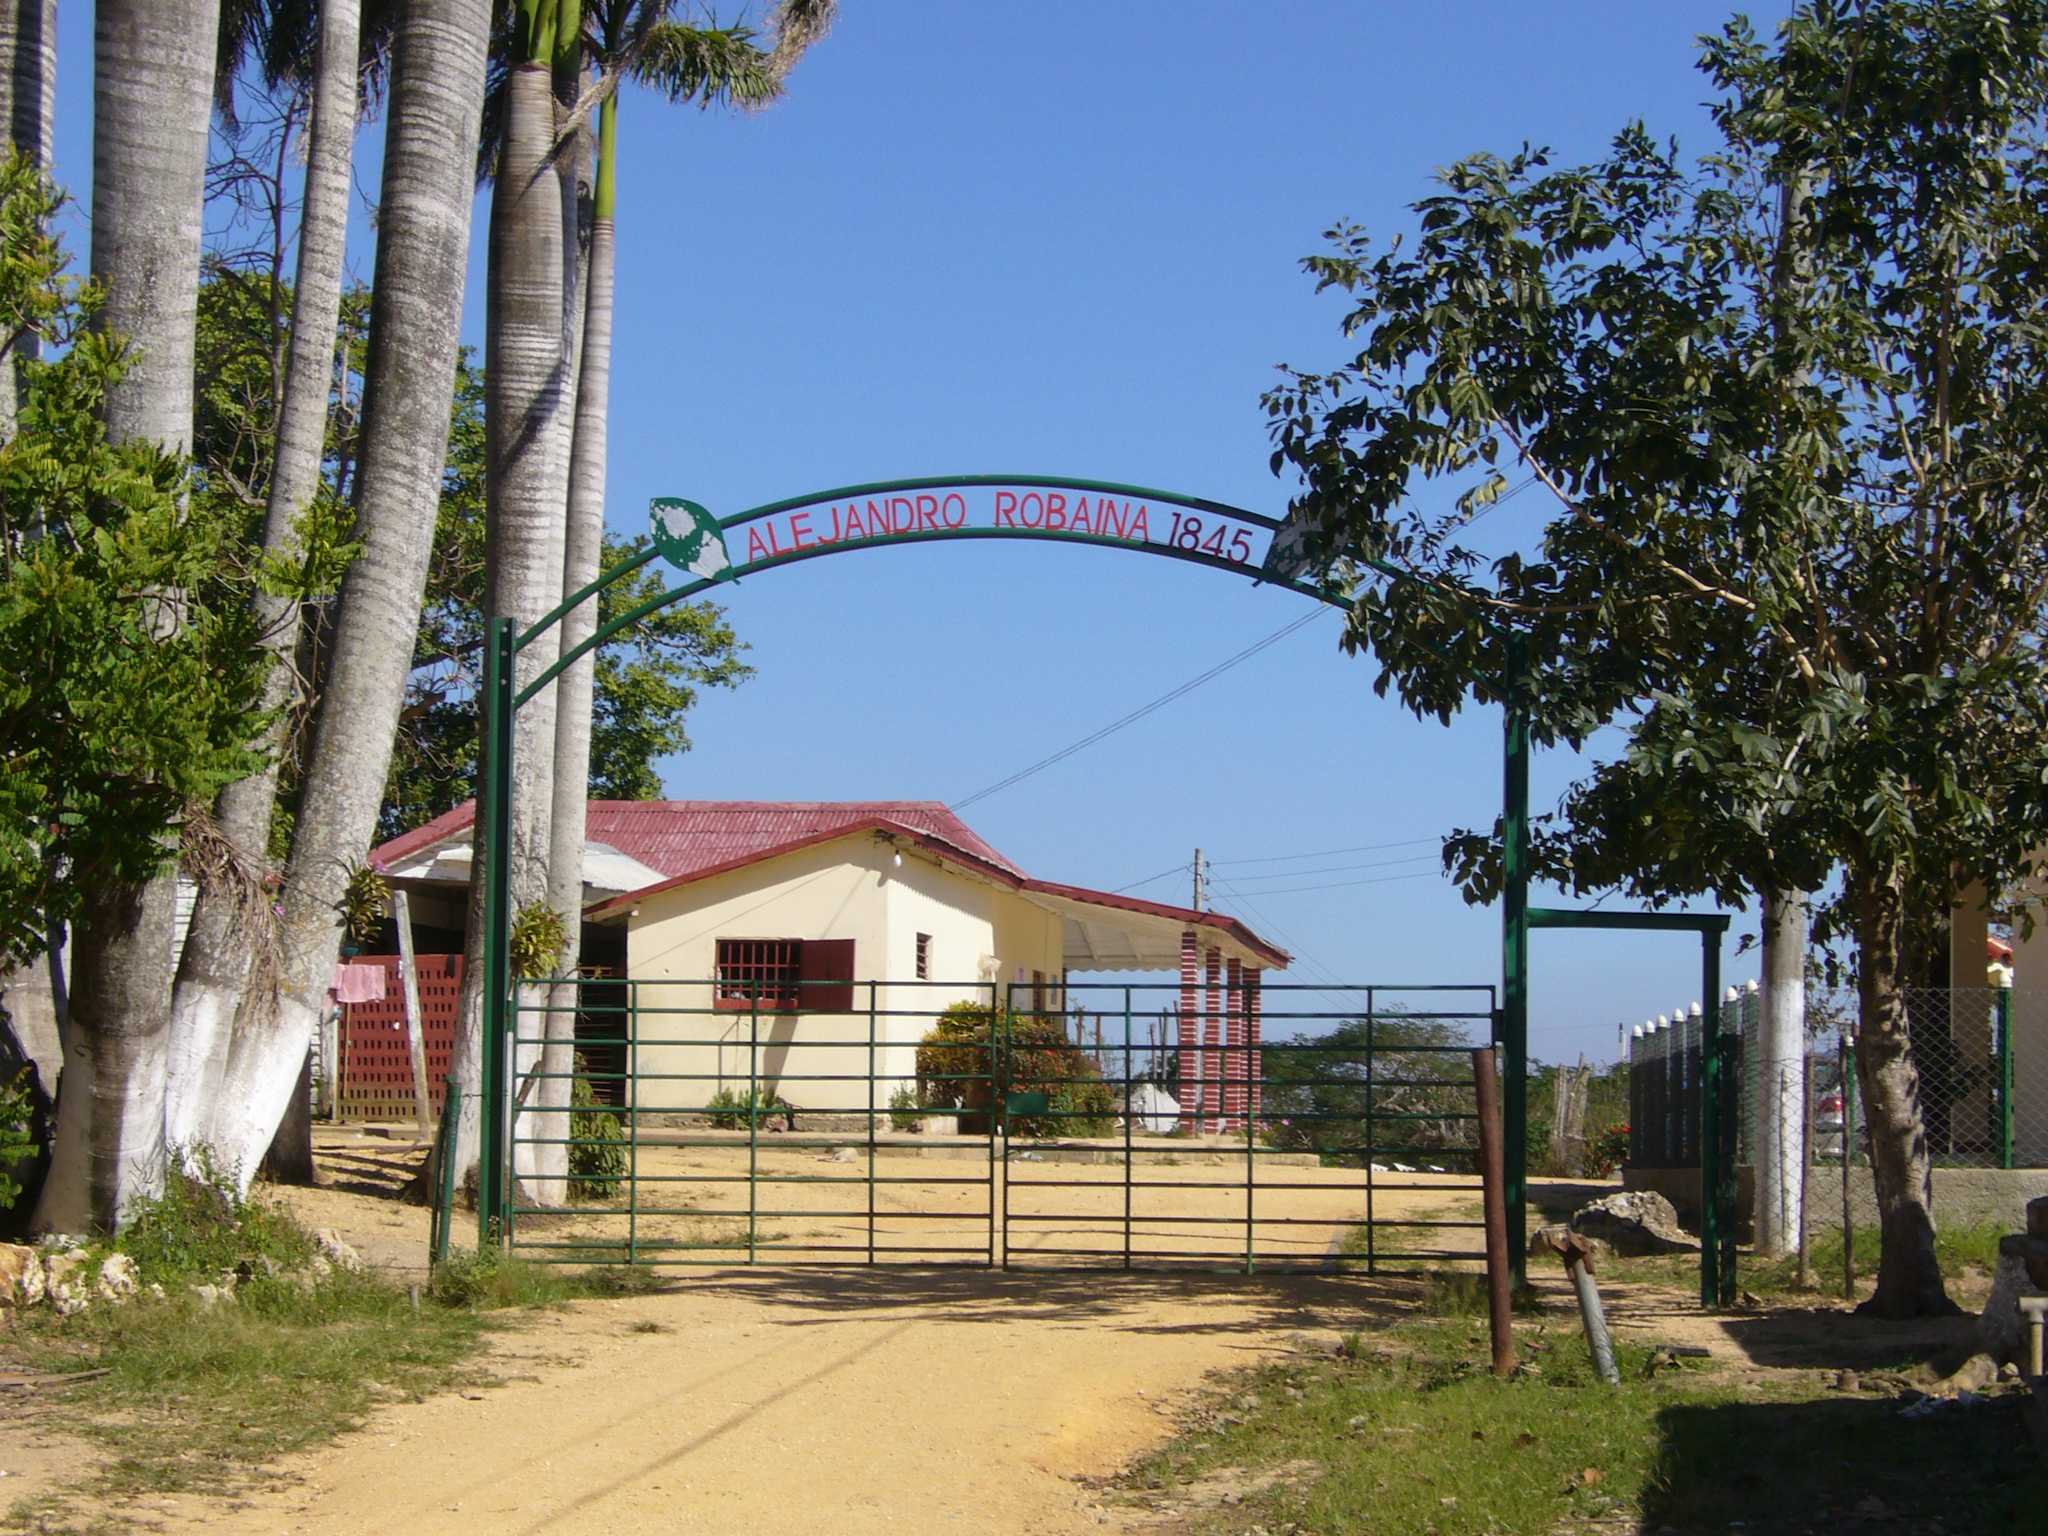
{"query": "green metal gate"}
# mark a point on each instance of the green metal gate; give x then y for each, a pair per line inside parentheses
(836, 1122)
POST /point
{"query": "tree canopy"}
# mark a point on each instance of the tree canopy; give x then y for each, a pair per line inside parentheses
(1785, 403)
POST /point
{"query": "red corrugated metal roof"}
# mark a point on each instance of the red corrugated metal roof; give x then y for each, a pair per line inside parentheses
(684, 837)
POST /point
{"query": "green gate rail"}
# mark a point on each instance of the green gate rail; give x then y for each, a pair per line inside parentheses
(722, 1168)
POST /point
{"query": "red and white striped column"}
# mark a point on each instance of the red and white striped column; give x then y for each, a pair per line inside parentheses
(1212, 1045)
(1187, 1037)
(1254, 1061)
(1234, 1084)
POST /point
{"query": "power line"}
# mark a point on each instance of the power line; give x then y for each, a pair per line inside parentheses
(1339, 885)
(1142, 711)
(1341, 869)
(1299, 950)
(1328, 853)
(1177, 869)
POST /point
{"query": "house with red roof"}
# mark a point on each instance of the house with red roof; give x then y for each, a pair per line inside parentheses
(769, 943)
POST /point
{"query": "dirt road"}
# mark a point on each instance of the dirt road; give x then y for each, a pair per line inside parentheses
(811, 1401)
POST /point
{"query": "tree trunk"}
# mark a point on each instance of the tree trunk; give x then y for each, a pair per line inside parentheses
(583, 552)
(109, 1146)
(1908, 1277)
(528, 399)
(436, 100)
(219, 943)
(28, 105)
(1780, 1076)
(152, 95)
(290, 1158)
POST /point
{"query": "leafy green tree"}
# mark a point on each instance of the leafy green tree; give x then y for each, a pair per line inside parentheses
(1400, 1086)
(129, 681)
(1788, 407)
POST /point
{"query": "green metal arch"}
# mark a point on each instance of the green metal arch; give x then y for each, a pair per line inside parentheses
(1334, 595)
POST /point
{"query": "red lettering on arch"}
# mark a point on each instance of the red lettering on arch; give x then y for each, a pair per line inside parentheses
(757, 547)
(1140, 529)
(947, 509)
(1055, 509)
(1006, 510)
(902, 515)
(1031, 508)
(928, 512)
(1080, 523)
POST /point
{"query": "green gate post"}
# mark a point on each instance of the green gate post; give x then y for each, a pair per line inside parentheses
(494, 792)
(2005, 1077)
(1718, 1106)
(1514, 946)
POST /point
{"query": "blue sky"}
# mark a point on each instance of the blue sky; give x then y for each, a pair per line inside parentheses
(1065, 237)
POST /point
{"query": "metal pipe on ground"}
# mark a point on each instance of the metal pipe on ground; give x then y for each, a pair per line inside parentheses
(1494, 1179)
(1577, 1254)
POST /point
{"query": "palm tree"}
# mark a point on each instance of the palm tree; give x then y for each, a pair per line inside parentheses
(153, 79)
(219, 941)
(643, 41)
(435, 99)
(28, 107)
(28, 103)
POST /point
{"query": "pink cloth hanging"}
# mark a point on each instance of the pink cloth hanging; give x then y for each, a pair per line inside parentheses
(358, 983)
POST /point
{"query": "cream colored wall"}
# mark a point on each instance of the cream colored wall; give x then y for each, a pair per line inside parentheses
(849, 888)
(832, 890)
(1028, 938)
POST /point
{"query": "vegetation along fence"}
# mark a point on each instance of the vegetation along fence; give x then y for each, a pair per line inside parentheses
(755, 1121)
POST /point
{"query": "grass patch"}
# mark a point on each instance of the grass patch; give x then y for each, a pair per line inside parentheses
(195, 1396)
(1956, 1248)
(1414, 1435)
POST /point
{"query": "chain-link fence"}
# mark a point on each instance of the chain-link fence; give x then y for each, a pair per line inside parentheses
(1803, 1145)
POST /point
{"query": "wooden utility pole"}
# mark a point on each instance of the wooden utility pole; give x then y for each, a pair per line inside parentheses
(415, 1038)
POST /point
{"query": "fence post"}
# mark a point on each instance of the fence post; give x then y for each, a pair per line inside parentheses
(1495, 1203)
(1845, 1056)
(2005, 1126)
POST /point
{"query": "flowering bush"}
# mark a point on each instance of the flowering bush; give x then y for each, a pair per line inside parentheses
(1607, 1151)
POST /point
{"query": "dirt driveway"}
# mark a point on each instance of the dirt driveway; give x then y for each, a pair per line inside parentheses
(807, 1401)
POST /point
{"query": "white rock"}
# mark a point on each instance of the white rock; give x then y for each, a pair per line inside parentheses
(21, 1276)
(117, 1277)
(338, 1252)
(213, 1295)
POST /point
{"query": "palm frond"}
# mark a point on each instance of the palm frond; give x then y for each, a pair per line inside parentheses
(707, 65)
(798, 24)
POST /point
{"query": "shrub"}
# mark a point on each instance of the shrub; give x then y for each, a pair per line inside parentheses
(974, 1057)
(200, 1226)
(906, 1111)
(1607, 1151)
(597, 1146)
(731, 1110)
(17, 1137)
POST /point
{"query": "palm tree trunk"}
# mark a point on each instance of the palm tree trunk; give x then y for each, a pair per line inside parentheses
(152, 95)
(583, 550)
(28, 106)
(1908, 1275)
(437, 79)
(218, 945)
(529, 351)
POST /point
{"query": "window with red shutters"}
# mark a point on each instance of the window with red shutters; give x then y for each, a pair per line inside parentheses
(785, 975)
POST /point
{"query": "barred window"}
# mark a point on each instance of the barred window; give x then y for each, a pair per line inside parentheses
(924, 957)
(785, 975)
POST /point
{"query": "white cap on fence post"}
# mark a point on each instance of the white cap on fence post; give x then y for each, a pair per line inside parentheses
(1752, 985)
(1731, 995)
(1695, 1009)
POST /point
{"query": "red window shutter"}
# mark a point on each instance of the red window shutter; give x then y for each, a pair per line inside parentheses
(828, 975)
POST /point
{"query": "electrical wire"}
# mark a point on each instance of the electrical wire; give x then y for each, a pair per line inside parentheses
(1143, 710)
(1295, 946)
(1177, 869)
(1326, 853)
(1340, 869)
(1340, 885)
